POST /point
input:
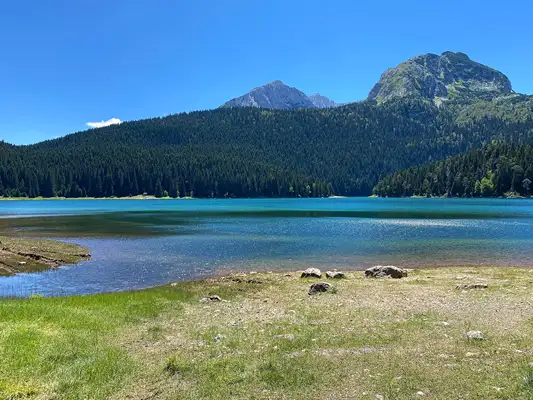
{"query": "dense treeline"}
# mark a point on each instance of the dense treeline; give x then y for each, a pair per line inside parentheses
(248, 152)
(495, 170)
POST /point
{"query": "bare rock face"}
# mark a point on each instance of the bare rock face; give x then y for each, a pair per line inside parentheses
(444, 77)
(321, 287)
(335, 275)
(387, 271)
(323, 102)
(312, 273)
(278, 96)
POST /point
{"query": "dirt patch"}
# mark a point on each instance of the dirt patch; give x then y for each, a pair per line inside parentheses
(21, 255)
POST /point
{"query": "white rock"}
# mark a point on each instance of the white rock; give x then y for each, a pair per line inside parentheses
(475, 335)
(312, 273)
(288, 336)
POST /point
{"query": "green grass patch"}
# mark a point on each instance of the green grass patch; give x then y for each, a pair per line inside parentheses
(269, 339)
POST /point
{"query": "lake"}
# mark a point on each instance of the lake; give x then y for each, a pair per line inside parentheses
(142, 243)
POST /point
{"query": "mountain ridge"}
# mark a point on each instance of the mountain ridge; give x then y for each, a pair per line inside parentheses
(254, 152)
(278, 96)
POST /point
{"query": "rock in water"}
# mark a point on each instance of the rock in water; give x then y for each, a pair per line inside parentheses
(387, 271)
(475, 335)
(312, 273)
(321, 287)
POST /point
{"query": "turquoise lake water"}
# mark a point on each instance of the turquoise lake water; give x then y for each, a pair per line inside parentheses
(142, 243)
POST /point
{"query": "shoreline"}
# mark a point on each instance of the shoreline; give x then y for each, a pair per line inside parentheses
(150, 197)
(140, 197)
(269, 338)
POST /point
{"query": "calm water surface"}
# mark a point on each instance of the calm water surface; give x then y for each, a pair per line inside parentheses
(142, 243)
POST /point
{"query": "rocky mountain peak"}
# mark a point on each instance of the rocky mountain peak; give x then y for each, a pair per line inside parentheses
(277, 95)
(449, 76)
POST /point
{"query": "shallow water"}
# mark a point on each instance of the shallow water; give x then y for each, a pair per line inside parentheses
(142, 243)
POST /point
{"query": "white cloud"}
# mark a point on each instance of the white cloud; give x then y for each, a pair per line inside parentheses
(112, 121)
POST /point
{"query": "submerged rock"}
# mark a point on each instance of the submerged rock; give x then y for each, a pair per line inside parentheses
(335, 275)
(472, 286)
(387, 271)
(312, 273)
(321, 287)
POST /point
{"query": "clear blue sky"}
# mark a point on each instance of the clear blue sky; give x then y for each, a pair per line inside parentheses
(68, 62)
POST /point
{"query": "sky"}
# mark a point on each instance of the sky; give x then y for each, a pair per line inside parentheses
(69, 65)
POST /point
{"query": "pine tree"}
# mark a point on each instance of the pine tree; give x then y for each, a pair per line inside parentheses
(158, 189)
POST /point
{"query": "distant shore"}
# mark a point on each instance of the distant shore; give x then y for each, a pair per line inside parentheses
(151, 197)
(139, 197)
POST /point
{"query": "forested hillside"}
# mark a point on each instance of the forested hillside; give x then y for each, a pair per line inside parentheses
(250, 152)
(494, 170)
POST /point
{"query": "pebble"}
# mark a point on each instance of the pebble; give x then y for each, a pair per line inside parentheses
(475, 335)
(288, 336)
(210, 299)
(219, 337)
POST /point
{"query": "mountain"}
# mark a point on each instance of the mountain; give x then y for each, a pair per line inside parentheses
(237, 151)
(450, 76)
(320, 101)
(497, 169)
(250, 152)
(278, 96)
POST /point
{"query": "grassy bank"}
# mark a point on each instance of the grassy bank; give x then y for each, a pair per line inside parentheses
(400, 339)
(32, 255)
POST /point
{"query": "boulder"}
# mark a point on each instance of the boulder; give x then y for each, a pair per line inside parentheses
(387, 271)
(335, 275)
(321, 287)
(472, 286)
(312, 273)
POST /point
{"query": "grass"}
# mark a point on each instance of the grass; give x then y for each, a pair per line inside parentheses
(32, 255)
(269, 339)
